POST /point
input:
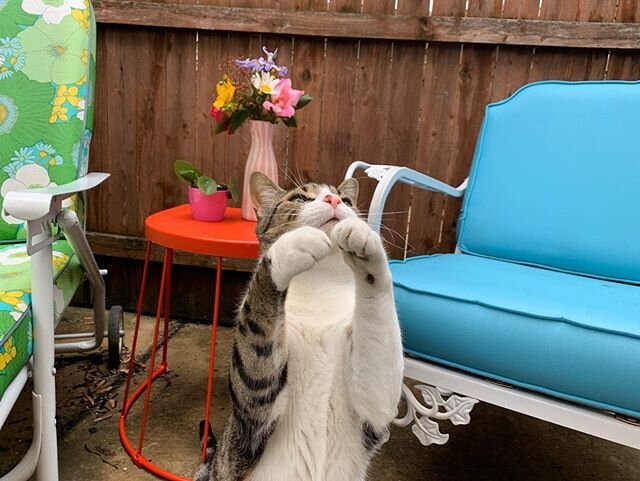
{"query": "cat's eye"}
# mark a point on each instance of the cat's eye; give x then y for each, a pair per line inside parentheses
(347, 202)
(299, 199)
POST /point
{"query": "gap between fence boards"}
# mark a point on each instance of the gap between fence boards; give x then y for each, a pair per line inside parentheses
(474, 30)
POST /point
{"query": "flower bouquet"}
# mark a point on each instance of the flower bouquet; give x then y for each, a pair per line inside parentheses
(256, 89)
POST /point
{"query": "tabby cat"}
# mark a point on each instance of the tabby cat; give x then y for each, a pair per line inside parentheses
(317, 361)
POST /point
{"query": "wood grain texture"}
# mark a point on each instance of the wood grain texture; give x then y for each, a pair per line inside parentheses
(381, 94)
(439, 28)
(473, 91)
(513, 63)
(438, 105)
(335, 145)
(625, 65)
(403, 127)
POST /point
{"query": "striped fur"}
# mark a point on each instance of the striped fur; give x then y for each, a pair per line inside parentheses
(316, 362)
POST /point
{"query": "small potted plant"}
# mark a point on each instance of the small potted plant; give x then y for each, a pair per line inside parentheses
(208, 199)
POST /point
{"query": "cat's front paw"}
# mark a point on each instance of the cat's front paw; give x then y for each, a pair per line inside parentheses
(295, 252)
(359, 242)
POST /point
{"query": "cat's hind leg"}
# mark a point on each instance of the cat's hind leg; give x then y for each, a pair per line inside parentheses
(204, 470)
(259, 363)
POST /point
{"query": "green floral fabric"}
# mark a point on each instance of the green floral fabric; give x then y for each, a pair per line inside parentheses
(47, 65)
(16, 334)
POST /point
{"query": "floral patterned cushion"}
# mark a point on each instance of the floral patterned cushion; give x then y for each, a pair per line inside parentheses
(47, 51)
(16, 339)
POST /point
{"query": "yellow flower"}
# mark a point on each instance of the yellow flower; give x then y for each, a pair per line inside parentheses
(58, 113)
(67, 94)
(82, 17)
(10, 348)
(59, 260)
(10, 352)
(225, 90)
(11, 297)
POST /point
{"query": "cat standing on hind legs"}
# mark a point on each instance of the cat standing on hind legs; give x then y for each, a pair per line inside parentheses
(317, 364)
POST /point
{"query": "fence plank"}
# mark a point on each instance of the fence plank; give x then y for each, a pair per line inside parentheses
(568, 64)
(474, 86)
(625, 65)
(404, 126)
(338, 92)
(210, 150)
(372, 104)
(438, 106)
(439, 28)
(181, 108)
(513, 63)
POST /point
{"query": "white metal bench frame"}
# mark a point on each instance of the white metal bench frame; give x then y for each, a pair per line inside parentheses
(438, 399)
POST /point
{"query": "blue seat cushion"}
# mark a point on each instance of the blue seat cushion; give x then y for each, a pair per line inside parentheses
(569, 336)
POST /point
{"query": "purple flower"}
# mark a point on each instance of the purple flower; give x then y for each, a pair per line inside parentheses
(264, 65)
(248, 63)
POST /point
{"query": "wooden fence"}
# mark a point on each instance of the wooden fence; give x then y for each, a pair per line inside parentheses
(402, 82)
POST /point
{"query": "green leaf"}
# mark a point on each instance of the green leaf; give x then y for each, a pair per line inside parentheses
(207, 185)
(186, 171)
(238, 119)
(223, 126)
(234, 191)
(290, 122)
(304, 100)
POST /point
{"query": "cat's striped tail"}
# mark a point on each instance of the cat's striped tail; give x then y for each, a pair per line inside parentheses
(204, 470)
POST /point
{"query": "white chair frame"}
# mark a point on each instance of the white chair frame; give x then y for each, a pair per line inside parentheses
(42, 210)
(440, 383)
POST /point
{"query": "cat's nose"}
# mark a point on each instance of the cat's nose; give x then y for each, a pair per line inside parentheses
(332, 199)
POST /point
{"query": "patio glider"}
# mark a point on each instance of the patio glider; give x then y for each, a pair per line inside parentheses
(538, 311)
(46, 108)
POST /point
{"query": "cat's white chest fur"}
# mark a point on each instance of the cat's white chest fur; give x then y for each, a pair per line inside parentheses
(317, 426)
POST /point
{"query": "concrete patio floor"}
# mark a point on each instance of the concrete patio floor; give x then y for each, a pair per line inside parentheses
(498, 445)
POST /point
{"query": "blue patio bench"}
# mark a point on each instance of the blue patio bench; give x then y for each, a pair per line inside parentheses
(538, 310)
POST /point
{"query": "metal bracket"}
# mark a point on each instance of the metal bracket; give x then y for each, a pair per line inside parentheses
(40, 233)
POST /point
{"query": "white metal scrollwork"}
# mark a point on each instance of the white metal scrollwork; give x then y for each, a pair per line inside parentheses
(439, 404)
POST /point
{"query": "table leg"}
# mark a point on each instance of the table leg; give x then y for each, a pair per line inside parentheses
(166, 270)
(212, 356)
(167, 310)
(134, 343)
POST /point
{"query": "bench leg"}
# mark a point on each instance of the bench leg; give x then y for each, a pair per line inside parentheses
(439, 404)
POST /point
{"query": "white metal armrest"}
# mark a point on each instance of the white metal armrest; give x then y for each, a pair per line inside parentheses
(388, 175)
(34, 204)
(40, 207)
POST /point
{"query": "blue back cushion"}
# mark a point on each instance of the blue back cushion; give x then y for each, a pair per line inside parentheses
(555, 180)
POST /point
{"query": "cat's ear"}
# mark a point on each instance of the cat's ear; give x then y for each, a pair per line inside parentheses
(349, 188)
(264, 193)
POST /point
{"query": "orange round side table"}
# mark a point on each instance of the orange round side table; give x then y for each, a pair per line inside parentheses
(174, 229)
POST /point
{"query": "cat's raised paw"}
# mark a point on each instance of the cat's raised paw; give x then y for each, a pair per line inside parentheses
(295, 252)
(354, 236)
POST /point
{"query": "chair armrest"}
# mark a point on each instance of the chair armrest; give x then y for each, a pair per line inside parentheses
(35, 204)
(388, 175)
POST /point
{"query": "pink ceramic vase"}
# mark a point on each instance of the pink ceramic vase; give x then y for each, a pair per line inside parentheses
(208, 207)
(261, 158)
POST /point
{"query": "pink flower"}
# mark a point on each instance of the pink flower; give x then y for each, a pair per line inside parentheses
(217, 114)
(283, 99)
